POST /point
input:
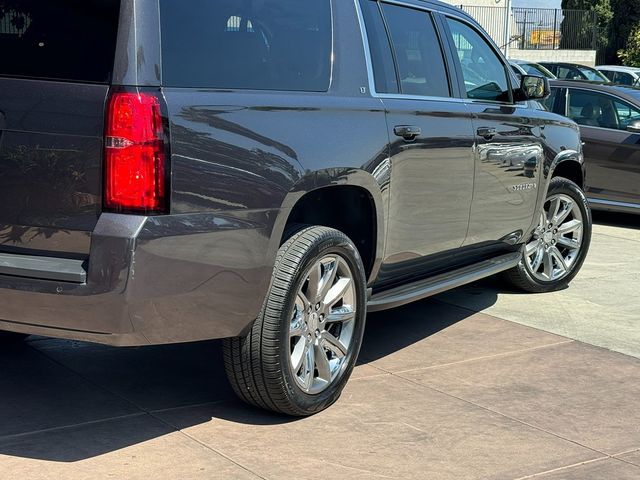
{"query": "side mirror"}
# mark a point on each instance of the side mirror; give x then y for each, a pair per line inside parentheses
(634, 127)
(533, 88)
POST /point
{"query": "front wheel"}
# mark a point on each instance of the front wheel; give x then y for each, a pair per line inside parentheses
(560, 243)
(301, 350)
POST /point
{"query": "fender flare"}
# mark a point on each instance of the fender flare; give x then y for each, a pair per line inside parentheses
(328, 178)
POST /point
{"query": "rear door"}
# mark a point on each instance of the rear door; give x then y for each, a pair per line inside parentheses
(57, 59)
(612, 152)
(431, 138)
(509, 152)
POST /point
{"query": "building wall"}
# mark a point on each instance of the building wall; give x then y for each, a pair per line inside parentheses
(583, 57)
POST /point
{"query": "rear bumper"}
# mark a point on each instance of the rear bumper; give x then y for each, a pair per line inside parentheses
(153, 280)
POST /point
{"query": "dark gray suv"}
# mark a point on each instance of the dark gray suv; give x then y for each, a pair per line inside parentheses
(267, 171)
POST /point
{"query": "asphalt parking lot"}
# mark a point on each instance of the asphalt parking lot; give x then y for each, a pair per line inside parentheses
(479, 383)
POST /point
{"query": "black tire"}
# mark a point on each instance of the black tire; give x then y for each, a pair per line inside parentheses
(521, 276)
(258, 365)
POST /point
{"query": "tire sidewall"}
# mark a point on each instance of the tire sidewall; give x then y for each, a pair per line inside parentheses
(560, 185)
(335, 244)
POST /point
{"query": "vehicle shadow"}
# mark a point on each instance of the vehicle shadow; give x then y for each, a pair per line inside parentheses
(611, 219)
(66, 401)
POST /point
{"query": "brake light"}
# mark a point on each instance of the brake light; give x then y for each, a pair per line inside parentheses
(135, 158)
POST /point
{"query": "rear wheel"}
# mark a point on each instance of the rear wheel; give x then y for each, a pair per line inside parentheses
(302, 348)
(560, 243)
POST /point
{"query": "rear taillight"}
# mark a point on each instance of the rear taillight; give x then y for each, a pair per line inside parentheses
(135, 154)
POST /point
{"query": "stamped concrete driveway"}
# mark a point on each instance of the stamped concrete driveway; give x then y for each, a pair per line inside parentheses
(456, 387)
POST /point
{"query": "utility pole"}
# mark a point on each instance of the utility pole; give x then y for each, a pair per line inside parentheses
(507, 28)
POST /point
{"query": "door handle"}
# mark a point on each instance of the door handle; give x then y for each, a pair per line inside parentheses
(408, 132)
(488, 133)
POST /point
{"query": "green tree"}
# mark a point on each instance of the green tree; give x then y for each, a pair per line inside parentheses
(625, 21)
(577, 28)
(631, 54)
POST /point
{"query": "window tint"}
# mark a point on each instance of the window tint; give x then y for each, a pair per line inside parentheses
(600, 110)
(569, 73)
(484, 73)
(609, 74)
(253, 44)
(417, 50)
(550, 102)
(63, 40)
(624, 78)
(626, 114)
(384, 70)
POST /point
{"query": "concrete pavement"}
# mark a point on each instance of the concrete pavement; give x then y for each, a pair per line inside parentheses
(456, 387)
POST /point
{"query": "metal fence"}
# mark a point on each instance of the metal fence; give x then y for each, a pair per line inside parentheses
(538, 28)
(13, 23)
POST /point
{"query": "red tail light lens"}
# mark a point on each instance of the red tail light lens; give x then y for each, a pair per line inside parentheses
(135, 158)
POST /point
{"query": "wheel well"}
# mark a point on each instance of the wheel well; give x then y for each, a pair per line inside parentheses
(570, 170)
(348, 209)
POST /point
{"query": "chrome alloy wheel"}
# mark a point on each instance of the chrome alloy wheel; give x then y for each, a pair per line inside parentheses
(321, 330)
(557, 240)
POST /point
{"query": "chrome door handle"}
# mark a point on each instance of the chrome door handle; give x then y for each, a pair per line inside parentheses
(408, 132)
(488, 133)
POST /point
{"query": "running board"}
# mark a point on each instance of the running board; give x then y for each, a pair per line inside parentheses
(432, 286)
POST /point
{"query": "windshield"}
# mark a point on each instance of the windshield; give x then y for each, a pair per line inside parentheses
(593, 75)
(535, 69)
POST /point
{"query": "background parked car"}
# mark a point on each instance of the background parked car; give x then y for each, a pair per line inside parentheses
(522, 67)
(621, 75)
(574, 71)
(609, 119)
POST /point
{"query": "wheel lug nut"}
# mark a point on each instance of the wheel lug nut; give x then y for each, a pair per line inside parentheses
(317, 306)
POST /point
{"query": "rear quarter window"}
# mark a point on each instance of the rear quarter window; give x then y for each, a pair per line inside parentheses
(253, 44)
(72, 40)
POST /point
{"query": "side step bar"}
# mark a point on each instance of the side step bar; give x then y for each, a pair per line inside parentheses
(441, 283)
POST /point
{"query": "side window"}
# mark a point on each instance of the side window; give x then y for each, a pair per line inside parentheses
(384, 70)
(485, 76)
(419, 58)
(260, 45)
(624, 78)
(626, 114)
(600, 110)
(609, 74)
(570, 74)
(551, 102)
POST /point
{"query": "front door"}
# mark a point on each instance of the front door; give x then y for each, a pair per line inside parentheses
(431, 139)
(509, 151)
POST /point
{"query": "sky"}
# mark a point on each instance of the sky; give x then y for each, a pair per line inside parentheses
(537, 3)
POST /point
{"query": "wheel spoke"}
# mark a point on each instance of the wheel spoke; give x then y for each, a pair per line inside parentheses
(302, 301)
(535, 266)
(297, 328)
(336, 292)
(563, 214)
(298, 355)
(308, 366)
(329, 277)
(341, 314)
(562, 265)
(334, 345)
(554, 207)
(322, 364)
(533, 247)
(313, 289)
(548, 265)
(572, 243)
(570, 227)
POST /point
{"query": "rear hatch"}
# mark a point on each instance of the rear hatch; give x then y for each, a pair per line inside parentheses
(55, 69)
